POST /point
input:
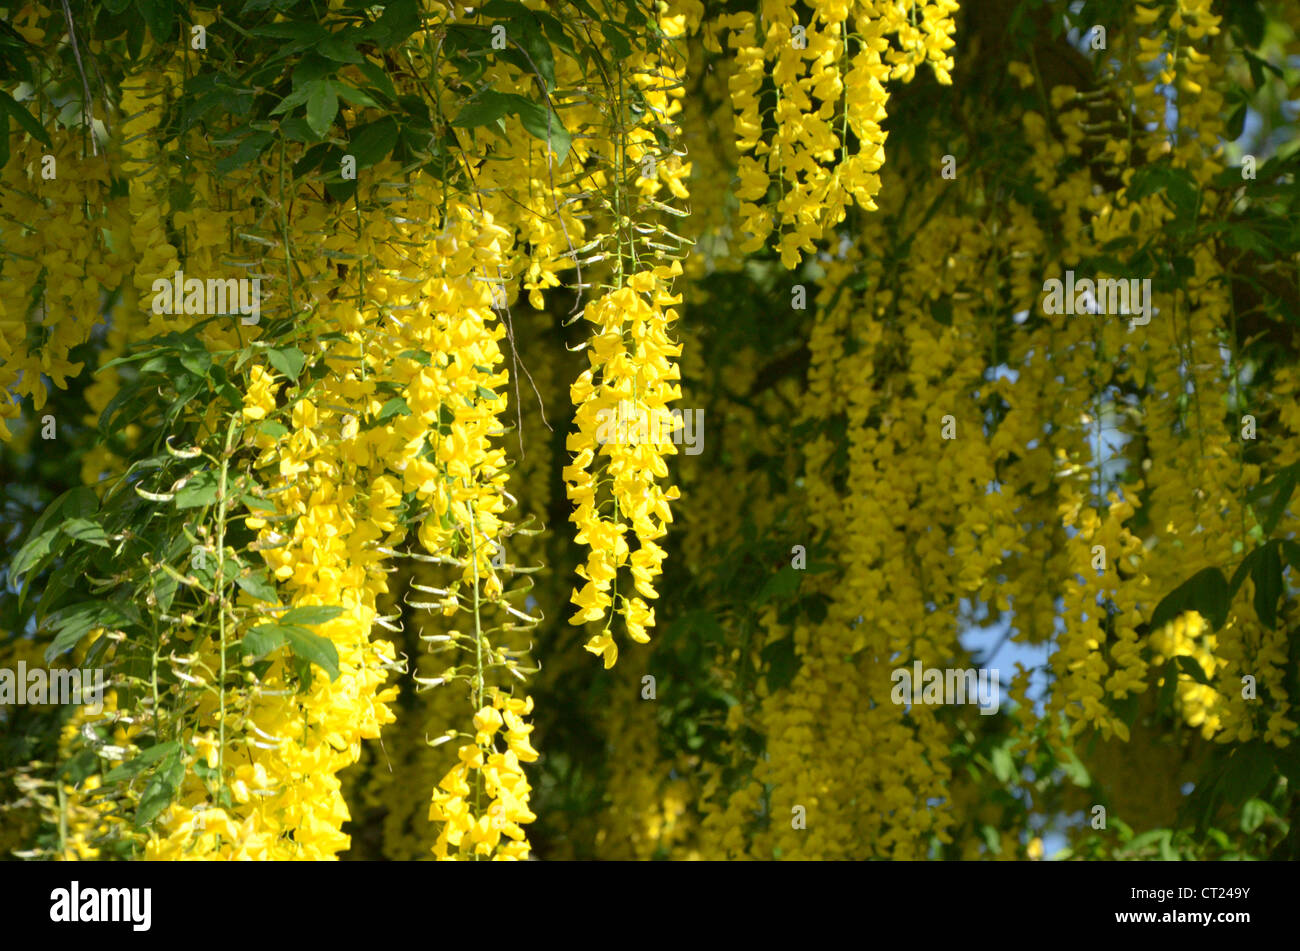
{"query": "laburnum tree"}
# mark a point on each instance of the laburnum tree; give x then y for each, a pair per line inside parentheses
(547, 429)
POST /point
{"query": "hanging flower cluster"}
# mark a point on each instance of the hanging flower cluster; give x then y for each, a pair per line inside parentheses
(619, 399)
(821, 82)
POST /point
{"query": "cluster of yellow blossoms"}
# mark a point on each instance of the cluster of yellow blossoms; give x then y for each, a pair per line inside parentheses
(457, 802)
(941, 470)
(821, 90)
(623, 397)
(58, 266)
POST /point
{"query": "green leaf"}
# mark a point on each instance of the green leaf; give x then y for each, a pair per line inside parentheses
(528, 34)
(1191, 668)
(33, 552)
(1282, 489)
(782, 662)
(84, 530)
(1257, 63)
(135, 37)
(376, 74)
(941, 311)
(1268, 584)
(485, 394)
(288, 360)
(399, 20)
(257, 503)
(1247, 23)
(130, 768)
(419, 356)
(312, 647)
(292, 101)
(248, 151)
(257, 584)
(544, 124)
(1126, 708)
(1253, 815)
(555, 32)
(315, 157)
(163, 587)
(261, 640)
(394, 407)
(1238, 576)
(338, 190)
(1177, 185)
(355, 96)
(206, 572)
(1249, 239)
(486, 108)
(697, 625)
(72, 623)
(1206, 592)
(1248, 769)
(1004, 768)
(157, 797)
(1075, 769)
(59, 583)
(198, 362)
(26, 121)
(273, 429)
(503, 9)
(340, 50)
(322, 105)
(80, 502)
(199, 491)
(614, 37)
(590, 11)
(784, 582)
(75, 503)
(161, 789)
(160, 15)
(306, 33)
(311, 68)
(1236, 123)
(311, 614)
(372, 142)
